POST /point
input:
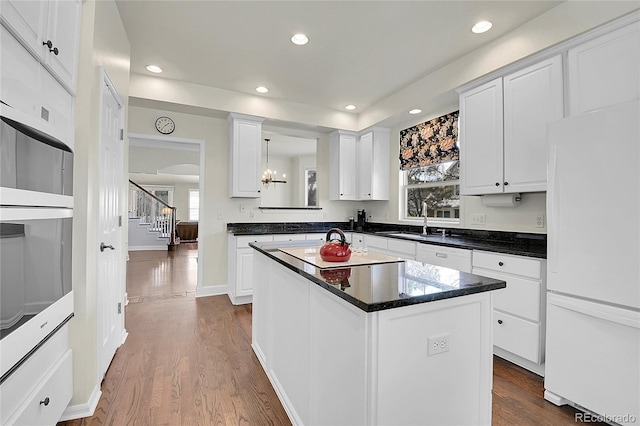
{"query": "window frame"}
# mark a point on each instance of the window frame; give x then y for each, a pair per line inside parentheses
(431, 221)
(197, 208)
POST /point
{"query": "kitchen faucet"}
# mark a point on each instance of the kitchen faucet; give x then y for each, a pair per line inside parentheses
(424, 214)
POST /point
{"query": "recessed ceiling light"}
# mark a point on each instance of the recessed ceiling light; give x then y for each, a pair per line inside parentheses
(261, 89)
(154, 68)
(350, 107)
(481, 27)
(299, 39)
(415, 111)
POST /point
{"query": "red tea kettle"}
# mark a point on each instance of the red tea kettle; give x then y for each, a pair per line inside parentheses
(335, 250)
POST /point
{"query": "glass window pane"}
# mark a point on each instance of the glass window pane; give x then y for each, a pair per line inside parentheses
(442, 172)
(442, 201)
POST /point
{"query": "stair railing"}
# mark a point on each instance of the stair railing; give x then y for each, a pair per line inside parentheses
(153, 211)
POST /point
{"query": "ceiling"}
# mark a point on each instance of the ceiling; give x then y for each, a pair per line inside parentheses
(359, 52)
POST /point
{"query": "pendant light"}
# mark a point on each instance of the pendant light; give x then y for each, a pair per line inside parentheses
(270, 176)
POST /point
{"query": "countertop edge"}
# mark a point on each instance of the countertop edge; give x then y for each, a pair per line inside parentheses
(374, 307)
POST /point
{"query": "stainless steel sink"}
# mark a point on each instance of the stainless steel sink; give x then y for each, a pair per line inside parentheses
(408, 235)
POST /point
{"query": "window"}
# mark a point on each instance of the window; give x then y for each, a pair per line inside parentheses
(436, 184)
(310, 197)
(194, 204)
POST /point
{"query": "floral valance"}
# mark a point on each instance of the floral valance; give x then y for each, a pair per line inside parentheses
(434, 141)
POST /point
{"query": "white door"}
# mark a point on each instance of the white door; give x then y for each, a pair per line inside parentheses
(110, 317)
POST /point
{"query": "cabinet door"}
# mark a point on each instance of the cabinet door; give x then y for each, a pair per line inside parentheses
(365, 166)
(244, 273)
(63, 30)
(342, 170)
(19, 75)
(481, 139)
(245, 133)
(604, 72)
(27, 21)
(533, 97)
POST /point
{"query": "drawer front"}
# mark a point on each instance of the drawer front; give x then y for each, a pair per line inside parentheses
(319, 237)
(518, 336)
(289, 237)
(244, 240)
(447, 257)
(521, 297)
(508, 264)
(402, 247)
(379, 243)
(25, 379)
(56, 391)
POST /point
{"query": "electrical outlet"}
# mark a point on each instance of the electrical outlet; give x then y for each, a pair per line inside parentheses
(437, 344)
(242, 208)
(540, 221)
(478, 219)
(251, 215)
(220, 216)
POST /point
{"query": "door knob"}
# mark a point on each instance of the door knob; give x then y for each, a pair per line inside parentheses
(103, 246)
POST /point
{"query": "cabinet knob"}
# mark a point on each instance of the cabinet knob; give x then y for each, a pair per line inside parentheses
(500, 263)
(45, 401)
(499, 321)
(48, 43)
(54, 50)
(506, 183)
(497, 183)
(341, 194)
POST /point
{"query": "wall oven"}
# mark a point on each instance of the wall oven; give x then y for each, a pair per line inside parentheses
(36, 221)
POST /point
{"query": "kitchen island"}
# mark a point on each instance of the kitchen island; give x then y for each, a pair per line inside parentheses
(400, 342)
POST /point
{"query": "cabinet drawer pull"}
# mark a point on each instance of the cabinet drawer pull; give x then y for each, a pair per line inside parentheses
(45, 401)
(506, 183)
(500, 263)
(54, 50)
(497, 183)
(442, 255)
(48, 43)
(499, 321)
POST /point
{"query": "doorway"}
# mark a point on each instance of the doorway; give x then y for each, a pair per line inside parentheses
(175, 165)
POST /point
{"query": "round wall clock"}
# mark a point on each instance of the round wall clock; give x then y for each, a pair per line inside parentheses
(165, 125)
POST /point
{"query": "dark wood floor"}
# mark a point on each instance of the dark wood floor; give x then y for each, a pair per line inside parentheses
(189, 361)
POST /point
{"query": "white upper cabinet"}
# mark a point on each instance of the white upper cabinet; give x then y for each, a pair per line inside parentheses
(373, 165)
(481, 139)
(342, 166)
(359, 165)
(605, 71)
(533, 97)
(503, 125)
(245, 151)
(50, 30)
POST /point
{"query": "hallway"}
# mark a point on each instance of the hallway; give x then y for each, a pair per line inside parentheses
(189, 361)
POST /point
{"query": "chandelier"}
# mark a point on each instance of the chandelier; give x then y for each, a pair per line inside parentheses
(270, 176)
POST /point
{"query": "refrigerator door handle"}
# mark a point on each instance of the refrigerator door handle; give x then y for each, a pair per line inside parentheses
(608, 313)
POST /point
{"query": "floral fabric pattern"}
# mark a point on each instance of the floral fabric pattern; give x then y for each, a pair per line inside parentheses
(434, 141)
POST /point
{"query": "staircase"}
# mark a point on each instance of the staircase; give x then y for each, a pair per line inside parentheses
(152, 222)
(144, 236)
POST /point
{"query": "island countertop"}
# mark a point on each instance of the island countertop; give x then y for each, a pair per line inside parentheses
(383, 286)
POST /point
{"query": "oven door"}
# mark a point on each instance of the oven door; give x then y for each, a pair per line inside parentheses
(35, 263)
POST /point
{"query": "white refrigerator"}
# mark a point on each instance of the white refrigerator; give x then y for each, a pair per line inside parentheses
(593, 303)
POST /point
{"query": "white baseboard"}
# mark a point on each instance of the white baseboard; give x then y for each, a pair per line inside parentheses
(87, 409)
(211, 290)
(140, 248)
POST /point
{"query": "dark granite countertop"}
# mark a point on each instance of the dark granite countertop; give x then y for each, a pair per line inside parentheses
(385, 286)
(520, 244)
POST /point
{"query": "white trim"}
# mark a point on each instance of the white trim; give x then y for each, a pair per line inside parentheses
(211, 290)
(86, 409)
(14, 213)
(553, 51)
(175, 141)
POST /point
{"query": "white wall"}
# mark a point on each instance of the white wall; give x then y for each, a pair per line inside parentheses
(103, 43)
(150, 160)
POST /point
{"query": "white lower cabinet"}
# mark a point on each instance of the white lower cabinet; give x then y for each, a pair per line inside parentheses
(518, 309)
(333, 364)
(38, 392)
(240, 266)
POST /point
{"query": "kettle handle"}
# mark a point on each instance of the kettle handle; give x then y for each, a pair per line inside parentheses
(343, 238)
